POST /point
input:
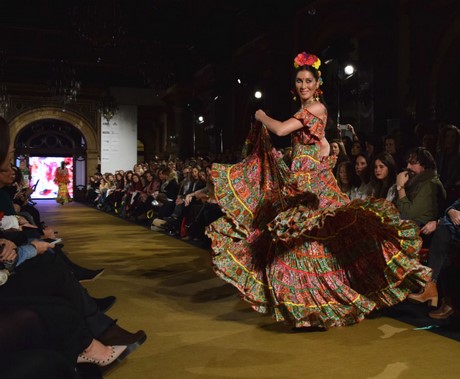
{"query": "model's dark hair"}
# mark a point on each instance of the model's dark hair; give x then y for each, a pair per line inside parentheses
(313, 70)
(421, 155)
(381, 187)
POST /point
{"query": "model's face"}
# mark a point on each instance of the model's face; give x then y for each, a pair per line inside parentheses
(380, 170)
(360, 165)
(390, 146)
(343, 175)
(335, 148)
(305, 85)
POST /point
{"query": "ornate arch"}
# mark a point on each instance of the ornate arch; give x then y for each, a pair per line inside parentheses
(88, 130)
(78, 121)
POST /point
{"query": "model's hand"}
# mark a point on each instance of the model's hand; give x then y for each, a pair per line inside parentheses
(259, 115)
(429, 227)
(454, 216)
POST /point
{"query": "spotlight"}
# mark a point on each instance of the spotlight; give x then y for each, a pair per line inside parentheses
(258, 95)
(200, 119)
(239, 81)
(349, 69)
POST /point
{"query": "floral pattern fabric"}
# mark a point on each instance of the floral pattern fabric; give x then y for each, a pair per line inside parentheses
(297, 248)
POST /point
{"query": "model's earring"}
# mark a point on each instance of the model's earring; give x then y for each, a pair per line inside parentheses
(317, 95)
(294, 97)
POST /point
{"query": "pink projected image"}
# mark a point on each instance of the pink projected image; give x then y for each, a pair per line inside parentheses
(43, 169)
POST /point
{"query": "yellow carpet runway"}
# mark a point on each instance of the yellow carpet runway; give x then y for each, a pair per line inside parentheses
(198, 327)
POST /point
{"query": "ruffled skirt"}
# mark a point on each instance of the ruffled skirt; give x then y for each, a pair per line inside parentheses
(312, 263)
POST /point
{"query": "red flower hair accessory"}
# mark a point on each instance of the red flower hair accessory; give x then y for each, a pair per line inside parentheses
(304, 59)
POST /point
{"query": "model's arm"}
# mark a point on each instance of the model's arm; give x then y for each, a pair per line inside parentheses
(279, 128)
(284, 128)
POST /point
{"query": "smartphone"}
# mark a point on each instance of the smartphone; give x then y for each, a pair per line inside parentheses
(342, 127)
(53, 241)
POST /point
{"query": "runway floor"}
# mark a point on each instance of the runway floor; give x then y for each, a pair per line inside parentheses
(199, 328)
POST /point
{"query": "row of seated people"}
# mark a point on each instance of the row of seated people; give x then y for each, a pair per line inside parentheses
(175, 197)
(420, 195)
(50, 327)
(362, 152)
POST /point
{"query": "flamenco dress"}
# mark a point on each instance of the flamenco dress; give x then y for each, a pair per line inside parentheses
(297, 248)
(61, 178)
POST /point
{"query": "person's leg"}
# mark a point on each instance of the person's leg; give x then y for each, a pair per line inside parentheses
(47, 275)
(46, 323)
(37, 364)
(439, 250)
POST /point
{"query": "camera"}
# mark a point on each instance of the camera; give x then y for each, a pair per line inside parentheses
(342, 126)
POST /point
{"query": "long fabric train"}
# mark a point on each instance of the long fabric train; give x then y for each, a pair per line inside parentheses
(297, 248)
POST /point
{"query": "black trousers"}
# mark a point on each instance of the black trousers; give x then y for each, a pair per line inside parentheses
(439, 249)
(47, 275)
(42, 323)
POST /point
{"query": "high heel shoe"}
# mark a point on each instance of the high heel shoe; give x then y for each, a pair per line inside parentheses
(429, 293)
(116, 355)
(444, 311)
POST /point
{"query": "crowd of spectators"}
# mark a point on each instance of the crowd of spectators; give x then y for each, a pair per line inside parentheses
(172, 196)
(50, 326)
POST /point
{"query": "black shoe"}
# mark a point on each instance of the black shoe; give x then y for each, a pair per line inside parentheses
(105, 303)
(85, 275)
(116, 335)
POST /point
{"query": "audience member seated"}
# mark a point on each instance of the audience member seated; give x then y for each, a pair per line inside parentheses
(391, 146)
(166, 197)
(445, 240)
(208, 212)
(383, 177)
(420, 194)
(114, 197)
(191, 183)
(143, 203)
(362, 189)
(338, 149)
(373, 146)
(92, 189)
(134, 189)
(346, 177)
(448, 160)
